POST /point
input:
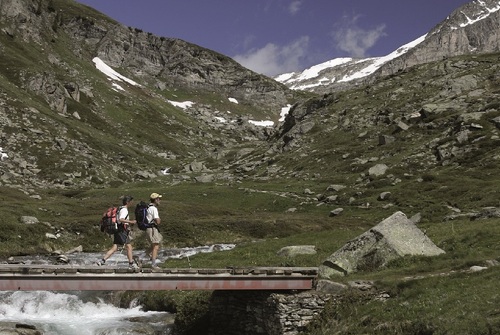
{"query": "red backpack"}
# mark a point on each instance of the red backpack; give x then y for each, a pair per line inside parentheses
(109, 221)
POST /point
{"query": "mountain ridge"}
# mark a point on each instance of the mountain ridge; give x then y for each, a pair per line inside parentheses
(448, 38)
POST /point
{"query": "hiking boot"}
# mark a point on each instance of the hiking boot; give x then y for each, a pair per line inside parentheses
(133, 266)
(137, 261)
(100, 262)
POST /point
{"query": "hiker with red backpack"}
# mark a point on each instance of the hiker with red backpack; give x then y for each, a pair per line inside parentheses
(122, 235)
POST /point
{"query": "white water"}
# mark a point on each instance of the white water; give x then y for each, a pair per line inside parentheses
(119, 258)
(68, 314)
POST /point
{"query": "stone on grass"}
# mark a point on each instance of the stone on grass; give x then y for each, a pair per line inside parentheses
(294, 250)
(392, 238)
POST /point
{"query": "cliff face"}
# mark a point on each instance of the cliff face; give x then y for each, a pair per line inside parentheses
(168, 62)
(165, 62)
(471, 29)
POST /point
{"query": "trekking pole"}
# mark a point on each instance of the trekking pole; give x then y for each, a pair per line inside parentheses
(123, 247)
(189, 262)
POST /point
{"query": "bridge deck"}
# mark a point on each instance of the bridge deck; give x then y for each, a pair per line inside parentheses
(108, 278)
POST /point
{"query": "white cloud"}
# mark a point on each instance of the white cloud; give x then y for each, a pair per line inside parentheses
(294, 7)
(273, 59)
(248, 41)
(355, 40)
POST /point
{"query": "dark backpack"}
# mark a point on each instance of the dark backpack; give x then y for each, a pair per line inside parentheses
(141, 211)
(109, 221)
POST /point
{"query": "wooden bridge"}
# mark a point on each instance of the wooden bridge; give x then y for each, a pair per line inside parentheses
(14, 277)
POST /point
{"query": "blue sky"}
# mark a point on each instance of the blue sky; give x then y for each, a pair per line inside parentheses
(279, 36)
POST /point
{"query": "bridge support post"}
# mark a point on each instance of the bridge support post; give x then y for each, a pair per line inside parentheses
(263, 312)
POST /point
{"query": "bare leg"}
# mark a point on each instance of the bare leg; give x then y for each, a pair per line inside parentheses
(110, 252)
(154, 252)
(129, 252)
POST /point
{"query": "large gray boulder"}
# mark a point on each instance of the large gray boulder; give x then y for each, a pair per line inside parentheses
(394, 237)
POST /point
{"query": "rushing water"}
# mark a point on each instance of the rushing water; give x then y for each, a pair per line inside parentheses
(69, 314)
(86, 312)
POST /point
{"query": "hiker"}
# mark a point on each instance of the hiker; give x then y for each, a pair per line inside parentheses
(123, 237)
(153, 234)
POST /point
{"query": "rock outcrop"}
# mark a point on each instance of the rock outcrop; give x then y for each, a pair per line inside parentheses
(392, 238)
(470, 29)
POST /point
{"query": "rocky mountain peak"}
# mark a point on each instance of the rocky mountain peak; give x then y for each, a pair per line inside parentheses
(470, 29)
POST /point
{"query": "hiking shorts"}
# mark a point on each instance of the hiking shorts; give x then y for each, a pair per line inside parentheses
(154, 235)
(121, 238)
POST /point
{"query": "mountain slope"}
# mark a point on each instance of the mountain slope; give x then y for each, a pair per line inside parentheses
(66, 123)
(470, 30)
(88, 103)
(428, 135)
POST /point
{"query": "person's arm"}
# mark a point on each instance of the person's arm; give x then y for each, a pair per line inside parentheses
(124, 217)
(156, 216)
(129, 221)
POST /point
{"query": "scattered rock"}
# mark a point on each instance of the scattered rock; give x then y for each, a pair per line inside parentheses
(384, 196)
(328, 286)
(336, 212)
(378, 170)
(292, 251)
(75, 250)
(335, 188)
(29, 220)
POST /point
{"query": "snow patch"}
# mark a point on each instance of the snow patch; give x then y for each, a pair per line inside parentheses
(480, 16)
(262, 123)
(284, 112)
(3, 155)
(183, 104)
(112, 74)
